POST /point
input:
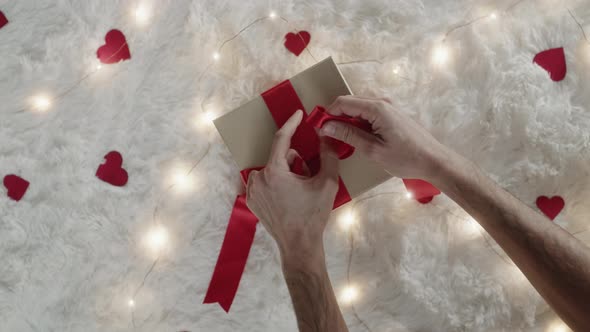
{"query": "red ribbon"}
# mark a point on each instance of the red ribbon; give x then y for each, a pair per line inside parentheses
(282, 102)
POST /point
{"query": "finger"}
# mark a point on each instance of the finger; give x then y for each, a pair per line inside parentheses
(329, 161)
(355, 107)
(291, 156)
(351, 135)
(282, 142)
(250, 184)
(385, 99)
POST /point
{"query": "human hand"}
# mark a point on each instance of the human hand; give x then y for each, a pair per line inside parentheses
(294, 209)
(403, 147)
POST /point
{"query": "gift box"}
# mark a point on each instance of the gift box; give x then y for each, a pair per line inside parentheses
(248, 131)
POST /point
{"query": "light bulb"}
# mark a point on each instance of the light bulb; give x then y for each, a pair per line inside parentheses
(208, 117)
(471, 227)
(157, 238)
(347, 220)
(131, 303)
(180, 179)
(142, 14)
(349, 294)
(216, 56)
(493, 15)
(41, 102)
(396, 70)
(98, 66)
(409, 195)
(558, 326)
(440, 55)
(272, 15)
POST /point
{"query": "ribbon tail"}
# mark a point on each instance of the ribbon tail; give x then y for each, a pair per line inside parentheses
(233, 255)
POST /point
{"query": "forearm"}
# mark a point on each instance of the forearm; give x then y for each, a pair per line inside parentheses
(556, 263)
(313, 298)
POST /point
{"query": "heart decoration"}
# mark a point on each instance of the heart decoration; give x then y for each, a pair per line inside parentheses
(115, 49)
(3, 19)
(111, 171)
(297, 42)
(17, 186)
(553, 61)
(421, 190)
(551, 207)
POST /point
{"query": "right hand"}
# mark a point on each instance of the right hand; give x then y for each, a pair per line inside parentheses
(403, 147)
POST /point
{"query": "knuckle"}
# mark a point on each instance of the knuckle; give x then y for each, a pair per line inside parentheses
(346, 134)
(381, 105)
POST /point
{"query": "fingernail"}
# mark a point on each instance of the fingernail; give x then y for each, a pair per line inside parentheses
(328, 130)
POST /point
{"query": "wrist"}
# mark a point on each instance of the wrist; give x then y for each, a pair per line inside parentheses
(305, 258)
(445, 162)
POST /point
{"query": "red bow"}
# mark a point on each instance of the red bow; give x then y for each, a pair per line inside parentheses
(282, 101)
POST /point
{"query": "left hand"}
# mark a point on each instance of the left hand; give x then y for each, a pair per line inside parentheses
(294, 209)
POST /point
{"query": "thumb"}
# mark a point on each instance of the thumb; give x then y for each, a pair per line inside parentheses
(351, 135)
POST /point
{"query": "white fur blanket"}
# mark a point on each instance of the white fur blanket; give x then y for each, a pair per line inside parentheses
(72, 250)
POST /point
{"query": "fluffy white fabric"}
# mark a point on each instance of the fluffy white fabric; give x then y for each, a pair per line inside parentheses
(72, 250)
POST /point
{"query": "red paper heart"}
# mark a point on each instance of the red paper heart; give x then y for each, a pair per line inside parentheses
(421, 190)
(3, 19)
(111, 171)
(553, 61)
(550, 206)
(115, 49)
(297, 42)
(17, 186)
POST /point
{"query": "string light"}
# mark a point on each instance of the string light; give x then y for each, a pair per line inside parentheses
(409, 195)
(558, 326)
(208, 117)
(142, 14)
(349, 294)
(272, 15)
(216, 56)
(98, 66)
(396, 70)
(471, 227)
(180, 179)
(131, 303)
(493, 15)
(440, 55)
(347, 220)
(41, 102)
(157, 239)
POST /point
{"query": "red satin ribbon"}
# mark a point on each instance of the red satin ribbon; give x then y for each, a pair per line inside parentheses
(282, 101)
(319, 116)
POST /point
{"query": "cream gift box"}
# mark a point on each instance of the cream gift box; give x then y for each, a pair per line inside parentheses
(248, 131)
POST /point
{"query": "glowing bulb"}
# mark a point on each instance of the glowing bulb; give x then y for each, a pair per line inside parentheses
(41, 102)
(396, 70)
(272, 15)
(98, 66)
(131, 303)
(208, 117)
(471, 227)
(493, 15)
(347, 220)
(409, 195)
(142, 14)
(558, 326)
(181, 180)
(349, 294)
(441, 55)
(216, 56)
(157, 238)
